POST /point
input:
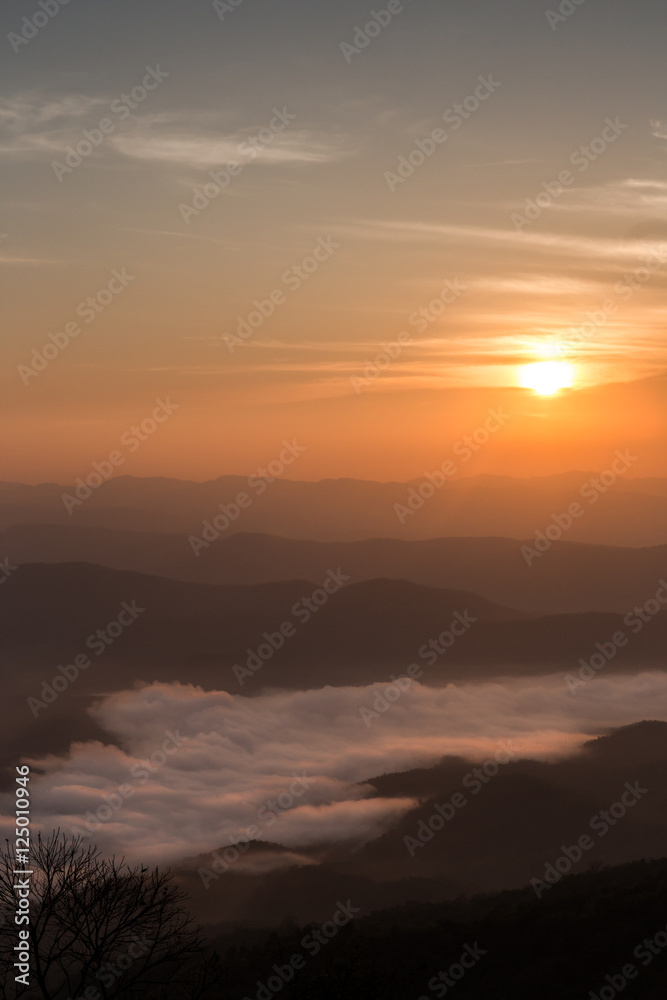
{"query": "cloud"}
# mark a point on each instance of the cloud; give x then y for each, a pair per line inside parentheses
(36, 126)
(535, 284)
(31, 108)
(588, 248)
(294, 764)
(33, 261)
(171, 145)
(632, 197)
(504, 163)
(177, 235)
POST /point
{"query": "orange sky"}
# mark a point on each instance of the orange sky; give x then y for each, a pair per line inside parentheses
(531, 230)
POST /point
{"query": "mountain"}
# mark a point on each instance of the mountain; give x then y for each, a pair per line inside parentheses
(513, 824)
(596, 934)
(614, 510)
(357, 633)
(570, 577)
(132, 628)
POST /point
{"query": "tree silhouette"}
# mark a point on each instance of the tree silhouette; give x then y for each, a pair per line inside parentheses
(99, 928)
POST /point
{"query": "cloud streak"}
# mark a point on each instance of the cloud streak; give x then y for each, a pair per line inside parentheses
(36, 126)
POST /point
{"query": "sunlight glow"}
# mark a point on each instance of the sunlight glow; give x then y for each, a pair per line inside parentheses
(546, 378)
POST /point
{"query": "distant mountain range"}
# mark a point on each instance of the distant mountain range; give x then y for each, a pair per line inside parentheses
(616, 511)
(356, 635)
(569, 577)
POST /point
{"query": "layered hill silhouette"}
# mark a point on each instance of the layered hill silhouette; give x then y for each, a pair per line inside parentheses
(573, 943)
(505, 835)
(569, 577)
(231, 638)
(357, 634)
(625, 512)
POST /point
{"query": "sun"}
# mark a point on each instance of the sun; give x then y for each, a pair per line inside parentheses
(547, 377)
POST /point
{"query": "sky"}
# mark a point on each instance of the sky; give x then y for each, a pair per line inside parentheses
(412, 215)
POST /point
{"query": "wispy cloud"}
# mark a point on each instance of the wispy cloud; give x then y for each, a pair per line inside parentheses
(30, 108)
(32, 261)
(34, 126)
(203, 150)
(504, 163)
(177, 235)
(535, 284)
(632, 197)
(565, 244)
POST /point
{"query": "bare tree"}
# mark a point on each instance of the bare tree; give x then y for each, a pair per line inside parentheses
(99, 928)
